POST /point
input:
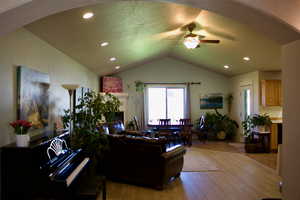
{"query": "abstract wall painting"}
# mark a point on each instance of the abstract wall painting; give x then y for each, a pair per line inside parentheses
(111, 84)
(33, 97)
(211, 101)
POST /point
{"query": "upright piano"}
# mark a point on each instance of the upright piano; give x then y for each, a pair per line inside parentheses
(46, 168)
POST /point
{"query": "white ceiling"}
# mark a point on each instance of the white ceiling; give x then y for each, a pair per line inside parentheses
(139, 31)
(6, 5)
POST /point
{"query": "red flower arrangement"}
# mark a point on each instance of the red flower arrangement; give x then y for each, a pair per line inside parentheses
(21, 126)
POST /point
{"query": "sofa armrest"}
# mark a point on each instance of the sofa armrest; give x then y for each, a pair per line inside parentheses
(177, 150)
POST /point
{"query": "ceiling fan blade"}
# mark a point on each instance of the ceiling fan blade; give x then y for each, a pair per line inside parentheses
(210, 41)
(219, 33)
(173, 34)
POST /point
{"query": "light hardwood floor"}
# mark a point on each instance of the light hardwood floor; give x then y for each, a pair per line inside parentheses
(239, 178)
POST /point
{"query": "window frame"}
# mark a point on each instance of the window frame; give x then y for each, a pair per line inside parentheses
(167, 86)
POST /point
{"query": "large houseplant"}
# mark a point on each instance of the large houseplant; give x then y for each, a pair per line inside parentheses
(88, 114)
(220, 126)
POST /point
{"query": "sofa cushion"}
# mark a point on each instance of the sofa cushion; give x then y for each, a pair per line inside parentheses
(138, 143)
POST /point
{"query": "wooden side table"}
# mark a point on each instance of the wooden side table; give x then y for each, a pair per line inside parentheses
(264, 139)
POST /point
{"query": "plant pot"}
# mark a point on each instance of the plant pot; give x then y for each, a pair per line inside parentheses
(261, 129)
(253, 148)
(22, 140)
(221, 135)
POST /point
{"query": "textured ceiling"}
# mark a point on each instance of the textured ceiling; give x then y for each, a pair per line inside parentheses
(139, 31)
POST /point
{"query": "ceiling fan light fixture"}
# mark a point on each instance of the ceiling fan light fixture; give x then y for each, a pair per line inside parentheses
(191, 42)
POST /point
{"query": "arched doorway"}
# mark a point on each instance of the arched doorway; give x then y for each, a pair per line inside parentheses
(237, 10)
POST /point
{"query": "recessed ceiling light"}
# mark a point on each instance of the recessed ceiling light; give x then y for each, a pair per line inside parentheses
(117, 67)
(103, 44)
(87, 15)
(246, 58)
(113, 59)
(226, 66)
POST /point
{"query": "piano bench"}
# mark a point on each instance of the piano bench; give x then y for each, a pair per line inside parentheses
(91, 187)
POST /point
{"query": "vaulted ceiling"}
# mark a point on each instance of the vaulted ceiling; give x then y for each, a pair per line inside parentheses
(11, 4)
(140, 31)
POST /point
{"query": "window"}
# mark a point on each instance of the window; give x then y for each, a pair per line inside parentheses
(165, 102)
(246, 102)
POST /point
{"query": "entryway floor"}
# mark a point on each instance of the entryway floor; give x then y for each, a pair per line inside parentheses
(268, 159)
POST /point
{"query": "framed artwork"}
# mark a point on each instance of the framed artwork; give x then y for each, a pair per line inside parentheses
(211, 101)
(111, 84)
(33, 97)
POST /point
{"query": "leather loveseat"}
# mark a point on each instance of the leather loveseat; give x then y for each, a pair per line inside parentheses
(143, 161)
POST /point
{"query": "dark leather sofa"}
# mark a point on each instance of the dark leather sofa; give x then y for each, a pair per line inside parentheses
(143, 161)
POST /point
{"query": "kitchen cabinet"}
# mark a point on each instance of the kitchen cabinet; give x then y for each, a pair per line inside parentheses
(276, 135)
(271, 92)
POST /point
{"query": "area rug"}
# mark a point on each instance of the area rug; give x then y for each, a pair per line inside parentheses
(198, 160)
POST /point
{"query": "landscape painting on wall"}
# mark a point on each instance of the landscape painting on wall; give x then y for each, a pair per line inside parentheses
(33, 97)
(211, 101)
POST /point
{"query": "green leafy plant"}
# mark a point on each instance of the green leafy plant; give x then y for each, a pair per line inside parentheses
(139, 86)
(251, 122)
(255, 120)
(216, 122)
(86, 119)
(261, 120)
(110, 106)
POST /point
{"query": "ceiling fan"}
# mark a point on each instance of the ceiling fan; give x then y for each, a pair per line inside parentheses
(192, 40)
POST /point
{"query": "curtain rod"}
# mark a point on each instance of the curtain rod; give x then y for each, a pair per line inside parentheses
(191, 83)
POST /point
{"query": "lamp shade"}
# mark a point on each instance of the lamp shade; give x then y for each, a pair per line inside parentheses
(70, 86)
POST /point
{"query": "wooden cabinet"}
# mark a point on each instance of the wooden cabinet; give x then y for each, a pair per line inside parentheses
(274, 137)
(271, 92)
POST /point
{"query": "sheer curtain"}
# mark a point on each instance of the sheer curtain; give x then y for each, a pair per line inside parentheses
(188, 101)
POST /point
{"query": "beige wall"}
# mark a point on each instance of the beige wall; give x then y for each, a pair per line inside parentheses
(291, 120)
(171, 70)
(24, 48)
(236, 82)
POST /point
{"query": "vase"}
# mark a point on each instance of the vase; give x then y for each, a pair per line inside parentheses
(22, 140)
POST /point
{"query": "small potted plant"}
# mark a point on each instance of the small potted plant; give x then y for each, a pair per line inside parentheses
(21, 130)
(261, 123)
(258, 123)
